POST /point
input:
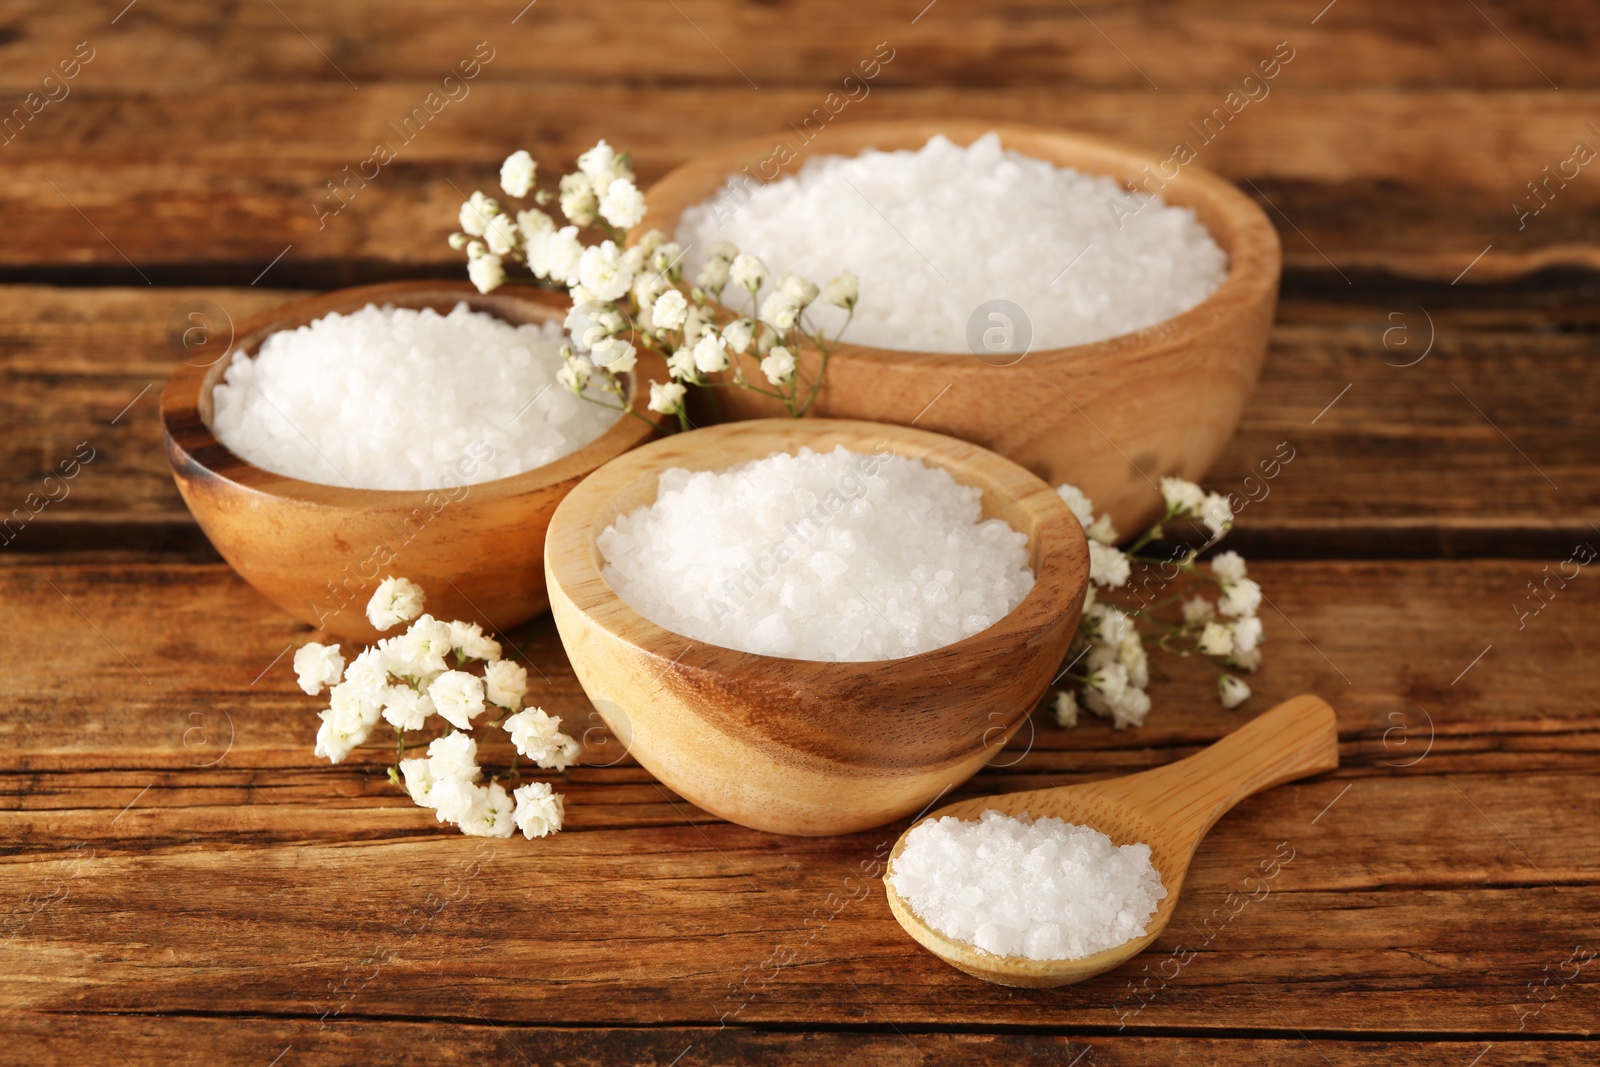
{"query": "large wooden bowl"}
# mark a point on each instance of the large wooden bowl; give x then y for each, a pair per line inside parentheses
(318, 551)
(800, 746)
(1110, 417)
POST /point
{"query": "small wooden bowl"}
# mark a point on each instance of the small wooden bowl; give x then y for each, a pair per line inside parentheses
(800, 746)
(1110, 417)
(318, 551)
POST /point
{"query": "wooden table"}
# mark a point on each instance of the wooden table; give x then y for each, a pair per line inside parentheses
(186, 884)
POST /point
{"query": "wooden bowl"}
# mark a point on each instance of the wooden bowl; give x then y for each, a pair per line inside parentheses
(800, 746)
(318, 551)
(1110, 417)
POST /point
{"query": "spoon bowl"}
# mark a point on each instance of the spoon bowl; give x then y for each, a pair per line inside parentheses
(1169, 808)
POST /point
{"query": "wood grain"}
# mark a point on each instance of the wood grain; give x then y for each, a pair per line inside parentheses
(1401, 464)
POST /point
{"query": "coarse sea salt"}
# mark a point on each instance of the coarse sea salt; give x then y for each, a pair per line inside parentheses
(1014, 886)
(938, 234)
(395, 398)
(819, 556)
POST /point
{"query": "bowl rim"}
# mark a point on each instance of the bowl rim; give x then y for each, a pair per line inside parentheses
(191, 444)
(571, 551)
(1255, 258)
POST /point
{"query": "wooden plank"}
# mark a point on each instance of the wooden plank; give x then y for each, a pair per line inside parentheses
(1390, 459)
(100, 193)
(92, 1040)
(703, 42)
(173, 848)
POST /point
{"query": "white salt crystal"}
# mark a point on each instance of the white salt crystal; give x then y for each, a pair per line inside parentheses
(1042, 889)
(818, 556)
(394, 398)
(936, 233)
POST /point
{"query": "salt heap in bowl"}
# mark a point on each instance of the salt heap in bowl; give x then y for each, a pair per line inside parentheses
(1043, 890)
(938, 232)
(818, 556)
(396, 398)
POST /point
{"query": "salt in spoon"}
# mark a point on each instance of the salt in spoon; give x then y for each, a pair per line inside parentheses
(1169, 808)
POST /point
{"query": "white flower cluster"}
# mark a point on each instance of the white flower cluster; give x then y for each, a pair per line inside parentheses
(628, 295)
(405, 679)
(1114, 670)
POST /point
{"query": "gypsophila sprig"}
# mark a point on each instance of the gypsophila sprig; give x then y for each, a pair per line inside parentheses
(735, 326)
(408, 679)
(1109, 662)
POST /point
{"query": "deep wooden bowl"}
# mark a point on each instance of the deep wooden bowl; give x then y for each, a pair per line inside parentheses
(318, 551)
(800, 746)
(1110, 417)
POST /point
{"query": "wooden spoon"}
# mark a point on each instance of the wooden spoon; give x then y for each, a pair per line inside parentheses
(1169, 808)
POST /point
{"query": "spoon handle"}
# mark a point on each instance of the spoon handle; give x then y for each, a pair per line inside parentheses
(1299, 737)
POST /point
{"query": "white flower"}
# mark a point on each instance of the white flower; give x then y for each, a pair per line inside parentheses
(534, 225)
(469, 641)
(599, 163)
(397, 600)
(1217, 514)
(1109, 681)
(602, 272)
(693, 326)
(574, 374)
(337, 735)
(536, 735)
(843, 291)
(556, 255)
(502, 235)
(1066, 708)
(1246, 661)
(651, 240)
(577, 199)
(453, 757)
(506, 683)
(1131, 653)
(487, 273)
(1246, 634)
(1240, 598)
(669, 310)
(458, 696)
(419, 780)
(667, 398)
(1183, 497)
(1216, 640)
(539, 810)
(490, 813)
(1115, 626)
(713, 276)
(1228, 566)
(453, 799)
(726, 251)
(1107, 565)
(517, 173)
(404, 708)
(1102, 530)
(666, 257)
(747, 272)
(1233, 691)
(622, 204)
(369, 672)
(1127, 707)
(476, 213)
(1197, 609)
(800, 292)
(1080, 504)
(423, 647)
(738, 334)
(680, 362)
(780, 310)
(318, 666)
(615, 355)
(778, 365)
(710, 354)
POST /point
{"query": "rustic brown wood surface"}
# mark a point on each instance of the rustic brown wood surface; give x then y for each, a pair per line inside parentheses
(181, 882)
